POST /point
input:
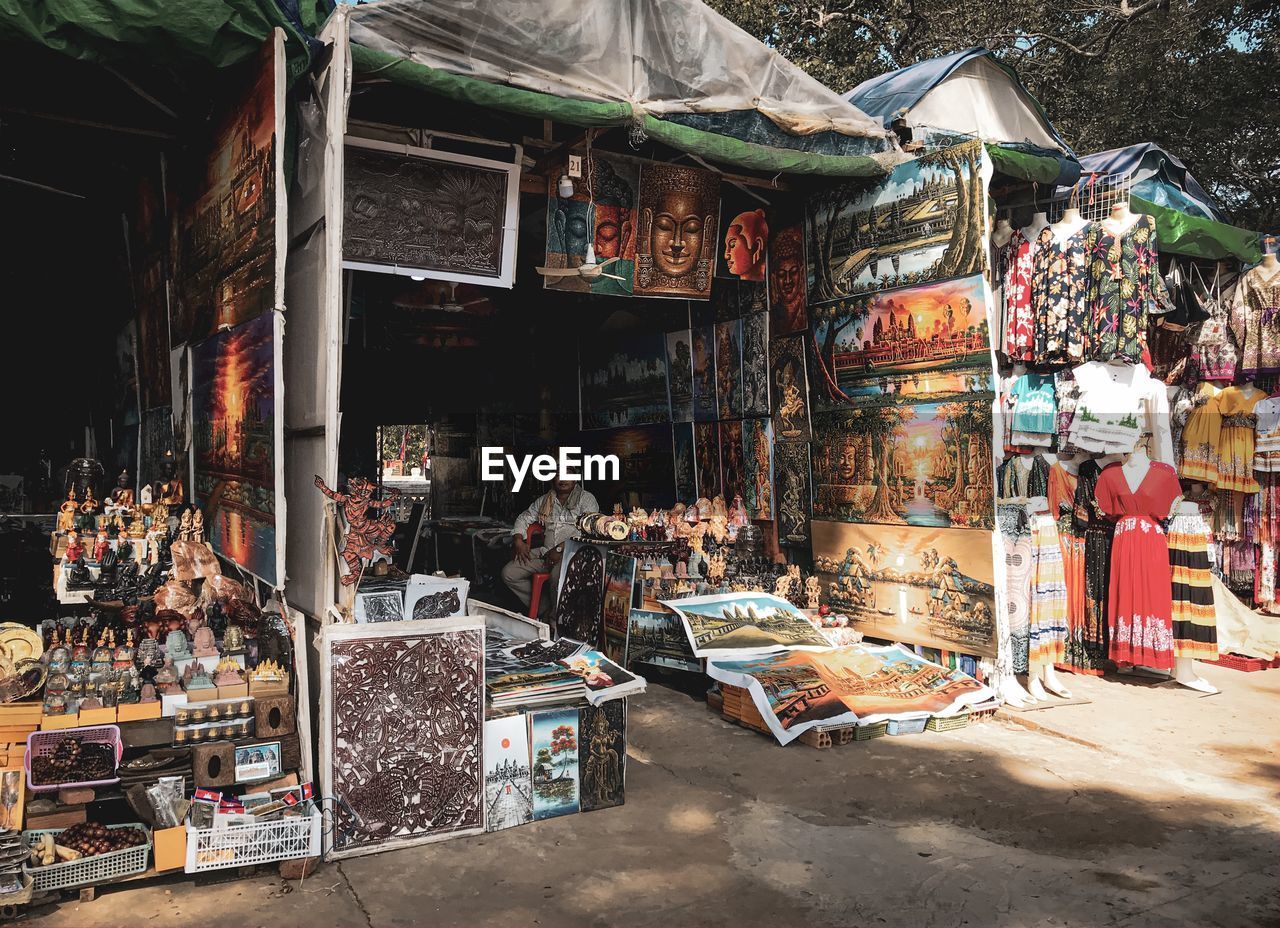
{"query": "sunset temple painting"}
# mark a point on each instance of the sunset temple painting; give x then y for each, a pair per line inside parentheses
(234, 401)
(927, 586)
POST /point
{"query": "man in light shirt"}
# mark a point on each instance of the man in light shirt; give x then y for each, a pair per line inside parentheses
(558, 511)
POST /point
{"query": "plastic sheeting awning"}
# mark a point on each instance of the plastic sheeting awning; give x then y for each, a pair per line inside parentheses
(674, 68)
(1158, 176)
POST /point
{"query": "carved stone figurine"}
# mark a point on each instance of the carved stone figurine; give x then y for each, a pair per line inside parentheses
(184, 526)
(812, 592)
(167, 678)
(233, 639)
(197, 527)
(175, 645)
(366, 537)
(204, 644)
(228, 673)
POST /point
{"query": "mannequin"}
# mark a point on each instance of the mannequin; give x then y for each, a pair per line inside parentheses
(1002, 233)
(1135, 468)
(1038, 222)
(1043, 679)
(1270, 262)
(1120, 219)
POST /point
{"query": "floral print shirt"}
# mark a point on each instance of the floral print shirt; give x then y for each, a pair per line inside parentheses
(1059, 289)
(1125, 286)
(1019, 334)
(1255, 321)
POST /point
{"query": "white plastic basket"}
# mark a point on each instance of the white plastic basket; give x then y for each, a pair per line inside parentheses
(255, 843)
(101, 868)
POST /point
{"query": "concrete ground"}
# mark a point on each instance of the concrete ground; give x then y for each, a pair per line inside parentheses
(1151, 806)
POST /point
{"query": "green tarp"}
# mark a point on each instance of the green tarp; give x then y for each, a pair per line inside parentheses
(1193, 236)
(726, 150)
(1024, 165)
(165, 33)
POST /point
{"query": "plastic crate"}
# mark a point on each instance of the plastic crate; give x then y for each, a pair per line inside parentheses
(1240, 662)
(101, 868)
(947, 723)
(255, 843)
(867, 732)
(907, 726)
(40, 743)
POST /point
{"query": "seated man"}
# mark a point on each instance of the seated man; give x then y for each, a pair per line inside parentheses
(558, 511)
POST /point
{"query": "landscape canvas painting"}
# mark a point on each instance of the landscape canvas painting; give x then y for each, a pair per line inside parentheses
(508, 781)
(799, 690)
(925, 221)
(925, 586)
(683, 457)
(926, 464)
(932, 328)
(704, 373)
(619, 584)
(730, 624)
(658, 638)
(234, 403)
(553, 737)
(680, 374)
(624, 381)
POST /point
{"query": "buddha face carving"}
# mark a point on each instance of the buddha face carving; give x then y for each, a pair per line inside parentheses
(744, 245)
(675, 231)
(613, 232)
(570, 227)
(675, 249)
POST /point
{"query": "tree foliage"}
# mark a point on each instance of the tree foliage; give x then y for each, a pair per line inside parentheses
(1198, 77)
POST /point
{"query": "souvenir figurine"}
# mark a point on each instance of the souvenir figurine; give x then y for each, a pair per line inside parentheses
(228, 673)
(121, 498)
(122, 657)
(75, 549)
(153, 548)
(128, 687)
(184, 525)
(136, 528)
(175, 645)
(812, 590)
(168, 489)
(233, 639)
(100, 545)
(167, 678)
(78, 576)
(366, 537)
(268, 671)
(148, 653)
(204, 644)
(88, 509)
(67, 512)
(197, 527)
(195, 678)
(148, 693)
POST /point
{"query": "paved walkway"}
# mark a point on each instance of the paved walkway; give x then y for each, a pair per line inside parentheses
(1151, 806)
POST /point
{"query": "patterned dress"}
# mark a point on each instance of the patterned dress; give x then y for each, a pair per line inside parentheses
(1125, 286)
(1013, 480)
(1255, 321)
(1059, 288)
(1200, 437)
(1048, 619)
(1214, 355)
(1020, 329)
(1195, 621)
(1236, 440)
(1015, 535)
(1088, 641)
(1062, 492)
(1140, 599)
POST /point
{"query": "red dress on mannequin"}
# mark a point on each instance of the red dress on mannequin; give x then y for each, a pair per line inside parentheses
(1140, 604)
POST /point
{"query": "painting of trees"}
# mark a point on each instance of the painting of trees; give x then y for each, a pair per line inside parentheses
(965, 420)
(831, 319)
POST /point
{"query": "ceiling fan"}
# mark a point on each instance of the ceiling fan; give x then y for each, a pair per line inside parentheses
(588, 270)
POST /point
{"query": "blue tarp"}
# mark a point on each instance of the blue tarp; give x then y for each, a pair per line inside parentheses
(1157, 176)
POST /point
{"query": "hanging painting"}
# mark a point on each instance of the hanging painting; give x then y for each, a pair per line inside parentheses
(757, 466)
(508, 782)
(235, 397)
(658, 638)
(733, 624)
(790, 387)
(755, 364)
(704, 373)
(602, 754)
(753, 297)
(799, 690)
(925, 221)
(148, 254)
(729, 369)
(680, 374)
(927, 331)
(430, 212)
(683, 457)
(231, 231)
(926, 586)
(706, 449)
(580, 602)
(676, 248)
(624, 381)
(731, 466)
(744, 237)
(402, 709)
(925, 464)
(791, 491)
(619, 584)
(788, 301)
(603, 215)
(428, 597)
(157, 440)
(646, 473)
(553, 736)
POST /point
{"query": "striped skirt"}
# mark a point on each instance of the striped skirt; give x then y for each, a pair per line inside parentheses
(1048, 613)
(1195, 622)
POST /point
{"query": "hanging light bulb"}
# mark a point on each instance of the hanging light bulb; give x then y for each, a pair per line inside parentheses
(565, 186)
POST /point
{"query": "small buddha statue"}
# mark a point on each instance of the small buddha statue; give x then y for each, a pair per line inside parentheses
(122, 497)
(148, 693)
(168, 490)
(175, 645)
(167, 678)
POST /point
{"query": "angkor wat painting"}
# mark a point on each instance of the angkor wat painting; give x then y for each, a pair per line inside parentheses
(925, 221)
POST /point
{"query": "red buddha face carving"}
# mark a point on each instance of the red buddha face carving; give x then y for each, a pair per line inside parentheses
(613, 232)
(786, 281)
(744, 245)
(675, 232)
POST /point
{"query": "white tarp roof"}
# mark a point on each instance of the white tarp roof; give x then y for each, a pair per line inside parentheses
(664, 57)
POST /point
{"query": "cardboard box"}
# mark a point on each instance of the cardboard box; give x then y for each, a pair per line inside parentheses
(170, 848)
(138, 711)
(268, 689)
(56, 722)
(235, 691)
(103, 716)
(170, 703)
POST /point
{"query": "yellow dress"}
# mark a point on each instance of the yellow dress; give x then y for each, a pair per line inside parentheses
(1200, 437)
(1235, 441)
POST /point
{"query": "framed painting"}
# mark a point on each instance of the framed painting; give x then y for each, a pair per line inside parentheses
(401, 728)
(678, 220)
(426, 212)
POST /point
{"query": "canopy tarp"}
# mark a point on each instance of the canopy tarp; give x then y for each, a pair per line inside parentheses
(165, 34)
(1157, 176)
(673, 68)
(1025, 163)
(1183, 234)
